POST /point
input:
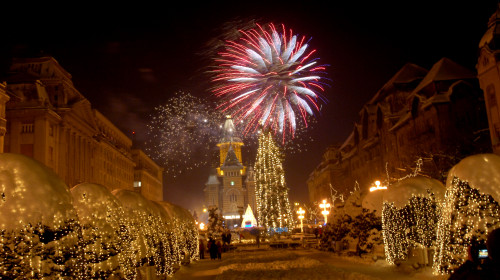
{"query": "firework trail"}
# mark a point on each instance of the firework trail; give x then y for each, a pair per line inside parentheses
(183, 133)
(268, 77)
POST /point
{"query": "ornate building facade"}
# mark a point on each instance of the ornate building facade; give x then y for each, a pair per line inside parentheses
(488, 74)
(420, 119)
(50, 120)
(230, 186)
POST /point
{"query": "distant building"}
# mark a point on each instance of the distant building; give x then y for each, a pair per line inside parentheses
(148, 176)
(50, 120)
(437, 116)
(488, 74)
(230, 186)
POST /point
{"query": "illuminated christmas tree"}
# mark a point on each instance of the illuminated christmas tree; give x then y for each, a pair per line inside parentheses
(273, 206)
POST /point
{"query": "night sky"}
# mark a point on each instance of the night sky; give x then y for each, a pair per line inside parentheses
(128, 59)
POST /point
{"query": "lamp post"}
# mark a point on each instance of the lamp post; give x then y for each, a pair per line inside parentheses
(377, 187)
(301, 217)
(325, 212)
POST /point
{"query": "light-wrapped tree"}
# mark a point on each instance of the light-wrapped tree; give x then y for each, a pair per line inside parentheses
(273, 206)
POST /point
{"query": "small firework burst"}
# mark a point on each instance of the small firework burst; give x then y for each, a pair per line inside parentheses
(183, 133)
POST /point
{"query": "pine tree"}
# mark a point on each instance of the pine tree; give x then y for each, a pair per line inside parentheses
(273, 206)
(214, 227)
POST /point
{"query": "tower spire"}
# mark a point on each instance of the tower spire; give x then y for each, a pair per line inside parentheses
(229, 140)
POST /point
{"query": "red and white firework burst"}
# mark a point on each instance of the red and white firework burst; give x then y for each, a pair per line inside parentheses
(268, 77)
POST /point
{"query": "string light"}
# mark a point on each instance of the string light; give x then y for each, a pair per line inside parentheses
(273, 206)
(468, 215)
(410, 226)
(88, 233)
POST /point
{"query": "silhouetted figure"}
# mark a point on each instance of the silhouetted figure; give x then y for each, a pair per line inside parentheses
(202, 249)
(226, 239)
(476, 268)
(219, 249)
(316, 232)
(213, 249)
(492, 265)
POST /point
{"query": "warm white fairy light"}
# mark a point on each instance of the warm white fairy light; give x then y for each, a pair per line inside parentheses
(105, 241)
(410, 226)
(468, 215)
(273, 206)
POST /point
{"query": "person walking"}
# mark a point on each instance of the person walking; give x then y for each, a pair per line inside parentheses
(202, 249)
(213, 249)
(219, 249)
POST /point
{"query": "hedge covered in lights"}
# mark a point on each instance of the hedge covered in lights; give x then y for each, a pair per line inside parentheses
(448, 223)
(49, 231)
(410, 214)
(470, 210)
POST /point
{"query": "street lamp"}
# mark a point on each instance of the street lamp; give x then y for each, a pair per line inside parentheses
(301, 217)
(325, 212)
(377, 187)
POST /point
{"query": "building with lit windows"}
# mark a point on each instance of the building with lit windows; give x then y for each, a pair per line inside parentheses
(48, 119)
(435, 115)
(230, 186)
(148, 178)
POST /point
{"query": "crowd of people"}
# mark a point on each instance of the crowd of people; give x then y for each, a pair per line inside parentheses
(215, 247)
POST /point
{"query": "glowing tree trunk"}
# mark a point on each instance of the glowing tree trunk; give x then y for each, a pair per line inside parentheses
(273, 206)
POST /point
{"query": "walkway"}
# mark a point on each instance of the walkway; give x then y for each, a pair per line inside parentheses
(205, 269)
(267, 263)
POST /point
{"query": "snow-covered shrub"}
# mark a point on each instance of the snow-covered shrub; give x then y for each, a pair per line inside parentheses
(366, 228)
(352, 227)
(50, 232)
(470, 210)
(106, 233)
(168, 256)
(147, 223)
(409, 216)
(39, 230)
(185, 229)
(214, 226)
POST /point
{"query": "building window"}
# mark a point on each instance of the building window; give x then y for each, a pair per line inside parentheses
(137, 184)
(27, 128)
(232, 197)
